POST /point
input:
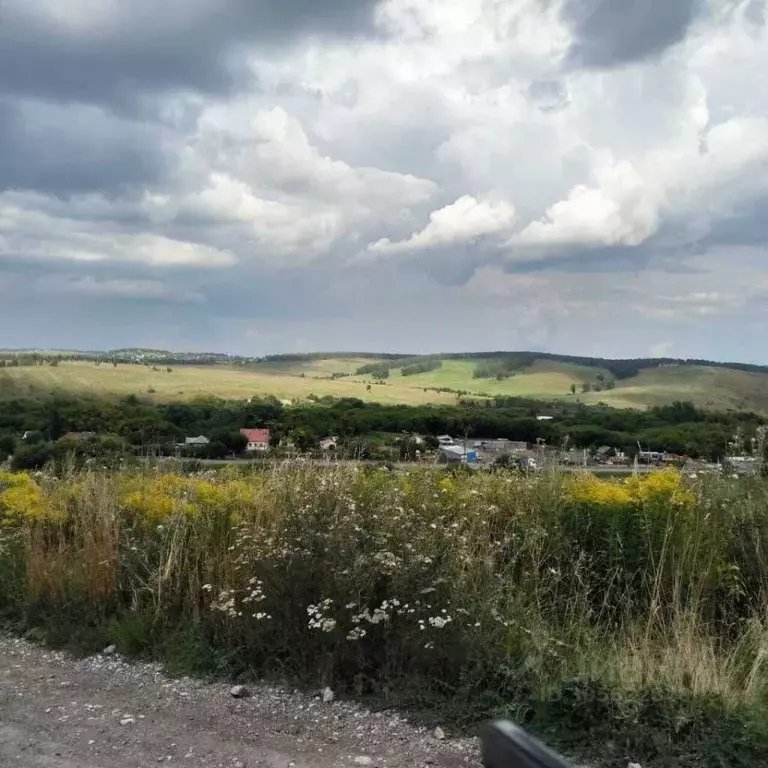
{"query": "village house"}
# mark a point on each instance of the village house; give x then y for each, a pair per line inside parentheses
(329, 443)
(651, 457)
(454, 454)
(604, 453)
(501, 445)
(258, 439)
(198, 441)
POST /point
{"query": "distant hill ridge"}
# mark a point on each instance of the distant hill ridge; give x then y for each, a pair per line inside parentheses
(620, 368)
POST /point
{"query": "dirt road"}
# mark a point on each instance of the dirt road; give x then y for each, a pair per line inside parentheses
(59, 712)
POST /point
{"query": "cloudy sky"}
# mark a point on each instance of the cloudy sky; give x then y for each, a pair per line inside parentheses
(256, 176)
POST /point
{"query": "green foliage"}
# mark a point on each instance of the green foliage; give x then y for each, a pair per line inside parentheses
(431, 442)
(7, 446)
(425, 366)
(33, 456)
(146, 426)
(499, 368)
(407, 448)
(231, 439)
(375, 370)
(303, 439)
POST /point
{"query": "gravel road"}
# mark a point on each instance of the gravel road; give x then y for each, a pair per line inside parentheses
(101, 712)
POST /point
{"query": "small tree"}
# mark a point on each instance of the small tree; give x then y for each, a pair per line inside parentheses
(33, 456)
(233, 441)
(573, 389)
(7, 446)
(216, 449)
(303, 439)
(407, 449)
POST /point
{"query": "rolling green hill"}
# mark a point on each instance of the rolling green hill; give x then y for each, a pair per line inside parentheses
(390, 378)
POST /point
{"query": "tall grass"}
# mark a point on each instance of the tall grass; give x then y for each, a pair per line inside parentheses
(571, 602)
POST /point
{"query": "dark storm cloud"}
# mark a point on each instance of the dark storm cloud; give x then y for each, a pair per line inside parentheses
(79, 55)
(70, 149)
(610, 33)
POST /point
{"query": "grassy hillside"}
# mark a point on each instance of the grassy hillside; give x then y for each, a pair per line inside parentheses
(297, 377)
(717, 388)
(544, 379)
(186, 382)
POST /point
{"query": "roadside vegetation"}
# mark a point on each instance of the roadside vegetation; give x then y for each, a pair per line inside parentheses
(618, 619)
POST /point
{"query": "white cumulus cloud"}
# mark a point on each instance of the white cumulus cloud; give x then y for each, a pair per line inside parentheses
(464, 221)
(620, 209)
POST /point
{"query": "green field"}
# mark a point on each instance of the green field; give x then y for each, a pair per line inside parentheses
(708, 387)
(543, 379)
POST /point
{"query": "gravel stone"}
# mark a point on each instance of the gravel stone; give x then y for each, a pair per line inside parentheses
(195, 724)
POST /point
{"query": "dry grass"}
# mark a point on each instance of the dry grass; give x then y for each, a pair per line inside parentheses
(575, 597)
(625, 581)
(716, 388)
(187, 382)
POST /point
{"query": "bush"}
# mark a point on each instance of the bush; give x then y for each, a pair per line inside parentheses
(7, 446)
(426, 366)
(33, 456)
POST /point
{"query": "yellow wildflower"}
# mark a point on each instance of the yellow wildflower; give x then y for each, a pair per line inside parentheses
(21, 498)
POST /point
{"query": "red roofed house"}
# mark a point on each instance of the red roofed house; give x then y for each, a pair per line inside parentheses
(258, 439)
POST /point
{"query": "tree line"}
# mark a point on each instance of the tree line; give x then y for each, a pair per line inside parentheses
(134, 424)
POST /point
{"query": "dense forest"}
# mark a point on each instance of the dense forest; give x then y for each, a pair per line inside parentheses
(136, 425)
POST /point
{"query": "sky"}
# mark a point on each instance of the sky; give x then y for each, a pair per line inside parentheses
(576, 176)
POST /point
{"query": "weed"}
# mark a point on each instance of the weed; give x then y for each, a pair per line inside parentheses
(631, 611)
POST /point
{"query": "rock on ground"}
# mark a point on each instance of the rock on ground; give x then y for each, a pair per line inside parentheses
(101, 712)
